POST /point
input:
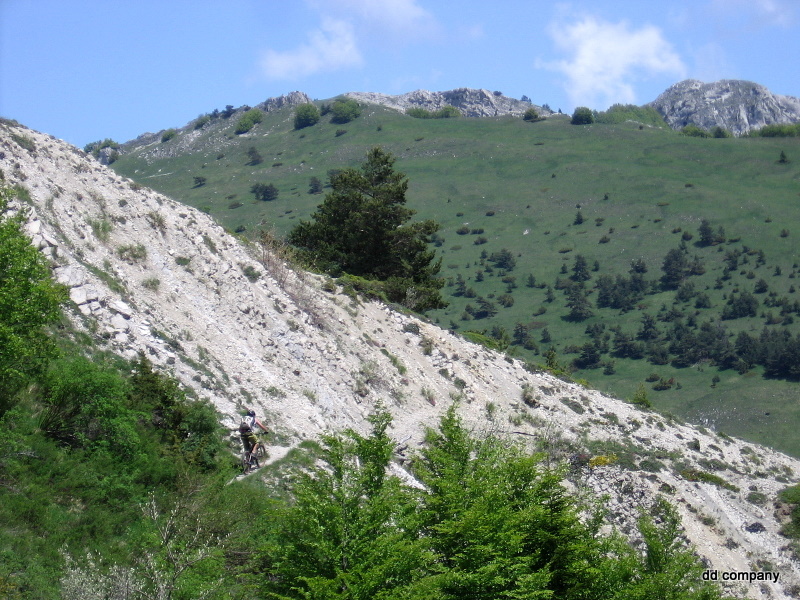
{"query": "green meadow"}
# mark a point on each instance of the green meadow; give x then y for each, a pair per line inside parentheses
(546, 193)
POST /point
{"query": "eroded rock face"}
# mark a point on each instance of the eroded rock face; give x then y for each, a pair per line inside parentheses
(290, 99)
(736, 105)
(471, 102)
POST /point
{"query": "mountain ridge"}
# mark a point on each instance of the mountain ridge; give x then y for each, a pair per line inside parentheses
(739, 106)
(311, 357)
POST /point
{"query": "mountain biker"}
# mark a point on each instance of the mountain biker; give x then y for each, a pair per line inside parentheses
(249, 422)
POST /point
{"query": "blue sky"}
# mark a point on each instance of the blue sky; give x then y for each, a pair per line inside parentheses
(84, 70)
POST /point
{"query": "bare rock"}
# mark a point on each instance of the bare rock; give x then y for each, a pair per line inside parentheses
(736, 105)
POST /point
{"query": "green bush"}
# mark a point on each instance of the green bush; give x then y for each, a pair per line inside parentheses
(265, 192)
(532, 116)
(695, 131)
(251, 273)
(619, 113)
(168, 135)
(345, 111)
(248, 120)
(777, 130)
(132, 252)
(202, 122)
(582, 116)
(306, 115)
(488, 521)
(697, 475)
(446, 112)
(29, 301)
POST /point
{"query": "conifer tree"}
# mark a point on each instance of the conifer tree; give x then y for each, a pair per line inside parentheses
(362, 228)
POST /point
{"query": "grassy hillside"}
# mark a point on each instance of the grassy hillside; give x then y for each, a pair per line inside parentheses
(506, 184)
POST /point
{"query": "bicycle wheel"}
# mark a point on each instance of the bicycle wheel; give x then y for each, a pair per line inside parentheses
(245, 462)
(261, 451)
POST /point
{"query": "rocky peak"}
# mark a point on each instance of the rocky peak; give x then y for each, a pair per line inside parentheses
(290, 99)
(471, 102)
(736, 105)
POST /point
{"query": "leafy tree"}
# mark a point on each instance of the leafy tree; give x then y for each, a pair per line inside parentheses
(305, 115)
(266, 192)
(362, 228)
(199, 181)
(248, 120)
(84, 407)
(29, 301)
(532, 115)
(582, 116)
(345, 111)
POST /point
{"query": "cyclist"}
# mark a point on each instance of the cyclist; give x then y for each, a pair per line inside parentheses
(246, 430)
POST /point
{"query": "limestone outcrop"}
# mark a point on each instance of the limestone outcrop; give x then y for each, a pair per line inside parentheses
(735, 105)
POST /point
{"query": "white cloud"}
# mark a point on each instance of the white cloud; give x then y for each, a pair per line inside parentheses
(332, 46)
(345, 25)
(605, 59)
(402, 19)
(768, 13)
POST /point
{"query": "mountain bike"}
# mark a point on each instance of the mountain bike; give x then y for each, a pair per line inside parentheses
(251, 459)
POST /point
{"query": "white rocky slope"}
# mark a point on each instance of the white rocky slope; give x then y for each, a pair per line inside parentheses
(471, 102)
(736, 105)
(149, 274)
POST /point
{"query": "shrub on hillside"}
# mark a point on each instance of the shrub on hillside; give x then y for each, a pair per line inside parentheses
(265, 192)
(619, 113)
(582, 116)
(446, 112)
(345, 111)
(248, 120)
(306, 115)
(532, 116)
(694, 131)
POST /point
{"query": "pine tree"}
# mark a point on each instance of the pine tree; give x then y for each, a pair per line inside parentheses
(362, 228)
(580, 270)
